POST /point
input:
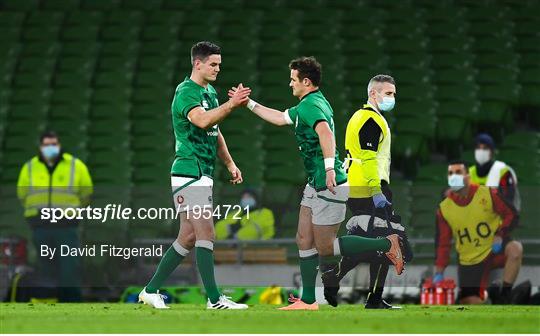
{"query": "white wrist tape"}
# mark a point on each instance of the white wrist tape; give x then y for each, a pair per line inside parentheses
(329, 163)
(251, 104)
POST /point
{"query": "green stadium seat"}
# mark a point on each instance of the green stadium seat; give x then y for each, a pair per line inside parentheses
(119, 48)
(497, 75)
(44, 19)
(105, 127)
(80, 49)
(28, 110)
(83, 18)
(80, 33)
(26, 129)
(41, 49)
(70, 95)
(105, 143)
(158, 79)
(506, 92)
(285, 174)
(38, 33)
(451, 31)
(417, 60)
(430, 179)
(522, 140)
(451, 60)
(113, 79)
(69, 111)
(464, 91)
(120, 33)
(452, 131)
(103, 5)
(12, 19)
(110, 111)
(142, 4)
(411, 124)
(20, 5)
(116, 63)
(455, 76)
(164, 32)
(494, 113)
(491, 60)
(451, 44)
(10, 34)
(164, 18)
(30, 96)
(63, 5)
(122, 17)
(76, 65)
(409, 147)
(36, 64)
(71, 79)
(466, 109)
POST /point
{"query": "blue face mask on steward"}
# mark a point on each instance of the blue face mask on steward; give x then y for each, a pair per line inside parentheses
(50, 151)
(387, 104)
(456, 181)
(248, 202)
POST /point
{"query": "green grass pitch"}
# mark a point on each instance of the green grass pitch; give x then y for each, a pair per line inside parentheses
(135, 318)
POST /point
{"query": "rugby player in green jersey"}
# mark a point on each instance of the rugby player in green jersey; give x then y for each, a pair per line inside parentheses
(322, 208)
(195, 115)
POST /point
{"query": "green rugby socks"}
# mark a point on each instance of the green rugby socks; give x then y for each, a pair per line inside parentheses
(350, 245)
(168, 263)
(309, 262)
(205, 264)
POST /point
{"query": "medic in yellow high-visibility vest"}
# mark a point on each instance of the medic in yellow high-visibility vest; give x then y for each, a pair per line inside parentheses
(480, 221)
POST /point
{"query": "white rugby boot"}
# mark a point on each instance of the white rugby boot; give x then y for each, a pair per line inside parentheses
(153, 300)
(225, 302)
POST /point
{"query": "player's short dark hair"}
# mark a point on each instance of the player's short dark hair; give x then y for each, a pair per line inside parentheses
(202, 50)
(463, 162)
(48, 134)
(309, 68)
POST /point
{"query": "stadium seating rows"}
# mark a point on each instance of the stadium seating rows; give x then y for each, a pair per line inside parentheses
(102, 73)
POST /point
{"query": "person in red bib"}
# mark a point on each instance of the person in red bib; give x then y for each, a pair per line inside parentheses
(480, 221)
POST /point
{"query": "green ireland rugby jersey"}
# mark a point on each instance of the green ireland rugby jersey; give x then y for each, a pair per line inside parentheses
(312, 109)
(196, 148)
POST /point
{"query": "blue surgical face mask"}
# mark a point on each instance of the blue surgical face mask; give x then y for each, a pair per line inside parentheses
(50, 151)
(387, 104)
(248, 202)
(456, 182)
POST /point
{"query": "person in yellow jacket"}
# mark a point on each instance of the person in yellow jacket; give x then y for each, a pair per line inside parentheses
(54, 179)
(258, 225)
(367, 146)
(494, 173)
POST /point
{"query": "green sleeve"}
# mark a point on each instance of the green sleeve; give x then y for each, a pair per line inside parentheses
(310, 115)
(293, 113)
(185, 101)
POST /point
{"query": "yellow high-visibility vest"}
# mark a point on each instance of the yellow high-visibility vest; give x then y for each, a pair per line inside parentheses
(69, 185)
(364, 178)
(473, 226)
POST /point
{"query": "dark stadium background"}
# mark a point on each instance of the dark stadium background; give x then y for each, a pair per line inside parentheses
(102, 74)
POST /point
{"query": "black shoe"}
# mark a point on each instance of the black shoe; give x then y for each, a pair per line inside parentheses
(379, 304)
(330, 281)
